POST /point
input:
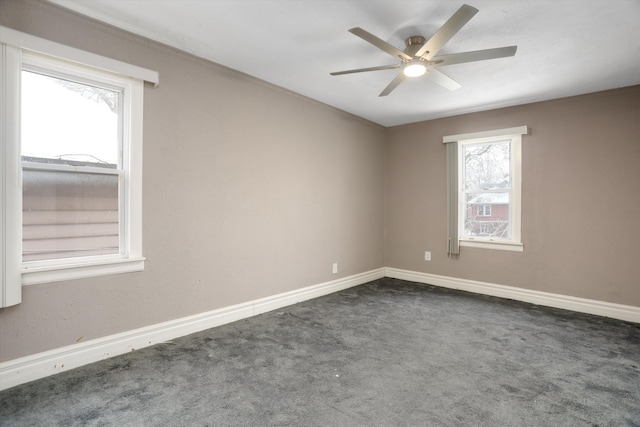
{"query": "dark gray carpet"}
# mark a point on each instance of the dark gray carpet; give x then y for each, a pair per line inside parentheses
(387, 353)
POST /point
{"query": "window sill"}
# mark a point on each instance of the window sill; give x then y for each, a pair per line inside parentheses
(500, 246)
(55, 273)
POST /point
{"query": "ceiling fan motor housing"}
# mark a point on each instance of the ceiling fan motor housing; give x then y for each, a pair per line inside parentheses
(414, 43)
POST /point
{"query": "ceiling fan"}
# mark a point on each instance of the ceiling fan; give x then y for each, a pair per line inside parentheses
(419, 58)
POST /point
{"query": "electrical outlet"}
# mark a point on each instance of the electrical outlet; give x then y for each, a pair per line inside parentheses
(335, 267)
(427, 256)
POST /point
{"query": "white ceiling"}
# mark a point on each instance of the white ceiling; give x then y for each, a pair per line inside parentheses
(565, 47)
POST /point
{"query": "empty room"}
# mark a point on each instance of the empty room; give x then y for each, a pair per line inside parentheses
(320, 213)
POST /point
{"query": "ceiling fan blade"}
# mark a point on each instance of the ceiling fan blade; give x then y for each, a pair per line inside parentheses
(379, 43)
(448, 30)
(443, 80)
(476, 55)
(361, 70)
(394, 84)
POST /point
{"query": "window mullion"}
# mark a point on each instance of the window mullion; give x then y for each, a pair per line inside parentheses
(70, 168)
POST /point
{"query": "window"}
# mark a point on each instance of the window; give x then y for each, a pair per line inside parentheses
(71, 163)
(484, 184)
(72, 170)
(485, 229)
(484, 210)
(485, 174)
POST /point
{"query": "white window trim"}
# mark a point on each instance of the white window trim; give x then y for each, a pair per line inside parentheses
(82, 269)
(515, 135)
(31, 43)
(10, 179)
(519, 130)
(492, 244)
(16, 47)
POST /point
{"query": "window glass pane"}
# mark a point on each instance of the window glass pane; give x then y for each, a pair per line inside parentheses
(487, 166)
(487, 215)
(69, 214)
(69, 121)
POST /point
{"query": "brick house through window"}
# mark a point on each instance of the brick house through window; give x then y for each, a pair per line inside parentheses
(488, 215)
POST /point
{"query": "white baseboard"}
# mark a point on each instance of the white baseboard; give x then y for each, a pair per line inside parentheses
(36, 366)
(40, 365)
(606, 309)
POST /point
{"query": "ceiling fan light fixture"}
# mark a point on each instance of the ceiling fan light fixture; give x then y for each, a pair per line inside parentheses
(414, 69)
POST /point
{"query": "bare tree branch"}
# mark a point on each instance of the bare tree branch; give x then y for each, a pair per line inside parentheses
(109, 97)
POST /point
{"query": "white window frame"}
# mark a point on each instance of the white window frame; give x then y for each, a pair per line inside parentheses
(515, 212)
(18, 49)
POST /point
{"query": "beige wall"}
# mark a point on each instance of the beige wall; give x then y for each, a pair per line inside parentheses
(580, 200)
(249, 191)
